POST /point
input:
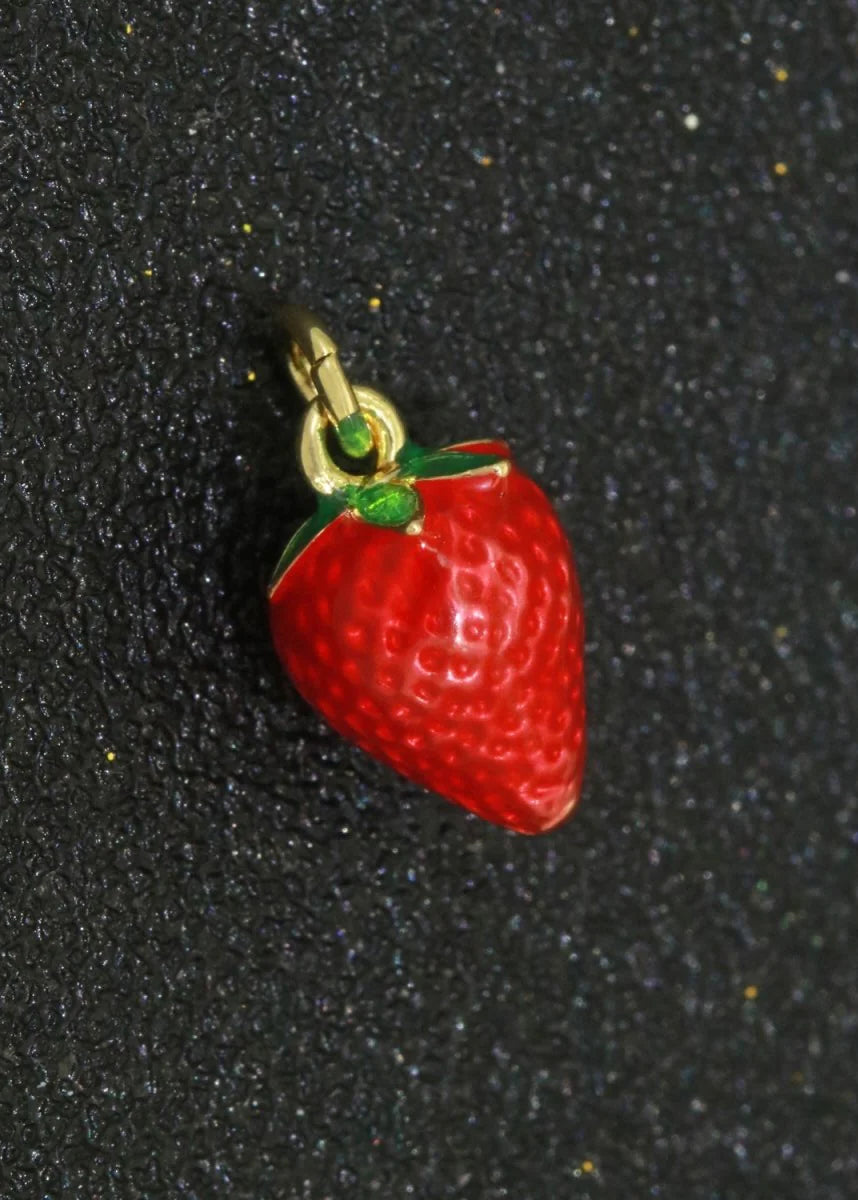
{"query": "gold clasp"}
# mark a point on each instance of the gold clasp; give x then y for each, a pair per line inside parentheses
(318, 374)
(364, 420)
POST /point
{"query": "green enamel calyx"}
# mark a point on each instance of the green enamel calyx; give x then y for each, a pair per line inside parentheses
(393, 502)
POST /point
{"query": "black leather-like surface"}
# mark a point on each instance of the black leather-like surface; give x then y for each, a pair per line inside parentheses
(237, 958)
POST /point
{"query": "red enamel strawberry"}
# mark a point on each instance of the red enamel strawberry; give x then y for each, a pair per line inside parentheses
(434, 618)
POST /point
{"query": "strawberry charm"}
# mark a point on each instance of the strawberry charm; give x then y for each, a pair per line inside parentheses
(430, 608)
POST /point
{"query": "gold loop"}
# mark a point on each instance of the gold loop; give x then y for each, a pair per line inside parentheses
(388, 435)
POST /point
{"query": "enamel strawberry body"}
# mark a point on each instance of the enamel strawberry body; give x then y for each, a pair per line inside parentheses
(448, 643)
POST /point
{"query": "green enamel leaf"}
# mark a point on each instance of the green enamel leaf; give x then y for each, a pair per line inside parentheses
(393, 503)
(435, 464)
(329, 507)
(389, 504)
(410, 453)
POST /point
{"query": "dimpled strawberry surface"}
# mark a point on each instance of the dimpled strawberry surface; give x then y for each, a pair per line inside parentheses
(454, 654)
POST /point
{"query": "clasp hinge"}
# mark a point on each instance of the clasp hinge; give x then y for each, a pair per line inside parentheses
(315, 367)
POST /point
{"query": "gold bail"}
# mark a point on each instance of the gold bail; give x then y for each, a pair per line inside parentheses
(318, 374)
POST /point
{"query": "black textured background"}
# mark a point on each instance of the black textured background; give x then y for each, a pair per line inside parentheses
(237, 958)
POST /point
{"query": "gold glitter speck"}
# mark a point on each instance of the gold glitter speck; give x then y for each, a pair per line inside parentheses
(247, 227)
(129, 29)
(781, 168)
(374, 303)
(781, 74)
(486, 160)
(588, 1167)
(148, 272)
(251, 377)
(633, 31)
(110, 756)
(751, 992)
